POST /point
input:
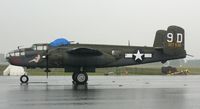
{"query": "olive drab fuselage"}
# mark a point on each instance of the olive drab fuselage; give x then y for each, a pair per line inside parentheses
(168, 45)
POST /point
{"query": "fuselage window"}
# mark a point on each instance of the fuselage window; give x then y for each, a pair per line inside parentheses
(22, 53)
(12, 54)
(16, 53)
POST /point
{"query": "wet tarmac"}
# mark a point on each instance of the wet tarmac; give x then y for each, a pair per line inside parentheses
(102, 92)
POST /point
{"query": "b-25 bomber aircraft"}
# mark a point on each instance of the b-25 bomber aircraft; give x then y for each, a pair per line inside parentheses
(83, 58)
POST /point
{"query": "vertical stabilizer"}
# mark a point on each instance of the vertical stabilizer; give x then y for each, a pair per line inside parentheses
(172, 41)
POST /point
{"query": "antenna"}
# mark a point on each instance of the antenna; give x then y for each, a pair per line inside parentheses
(18, 47)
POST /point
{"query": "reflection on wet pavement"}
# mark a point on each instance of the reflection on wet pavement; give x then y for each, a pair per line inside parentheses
(139, 92)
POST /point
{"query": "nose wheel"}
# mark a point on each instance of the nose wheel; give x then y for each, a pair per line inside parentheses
(80, 77)
(24, 79)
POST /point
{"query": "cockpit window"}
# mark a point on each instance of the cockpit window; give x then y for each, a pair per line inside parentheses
(44, 47)
(39, 47)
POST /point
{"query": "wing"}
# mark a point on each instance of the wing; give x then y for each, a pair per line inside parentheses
(85, 52)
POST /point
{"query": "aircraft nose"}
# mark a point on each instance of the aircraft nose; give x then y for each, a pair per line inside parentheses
(14, 57)
(9, 56)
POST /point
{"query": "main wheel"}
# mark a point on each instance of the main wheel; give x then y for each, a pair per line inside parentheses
(81, 78)
(24, 79)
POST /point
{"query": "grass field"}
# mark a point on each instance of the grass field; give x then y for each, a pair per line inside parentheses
(115, 71)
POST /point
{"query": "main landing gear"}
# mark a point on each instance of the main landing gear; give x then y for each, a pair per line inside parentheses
(80, 78)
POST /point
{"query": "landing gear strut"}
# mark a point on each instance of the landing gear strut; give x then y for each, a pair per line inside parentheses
(24, 79)
(80, 77)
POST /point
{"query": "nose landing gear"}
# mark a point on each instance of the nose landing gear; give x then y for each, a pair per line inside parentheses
(24, 79)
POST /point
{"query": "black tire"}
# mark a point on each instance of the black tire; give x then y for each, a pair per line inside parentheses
(81, 78)
(24, 79)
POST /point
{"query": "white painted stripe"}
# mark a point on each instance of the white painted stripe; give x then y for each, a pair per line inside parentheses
(148, 55)
(128, 55)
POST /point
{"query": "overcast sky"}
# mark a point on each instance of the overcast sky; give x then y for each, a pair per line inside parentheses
(24, 22)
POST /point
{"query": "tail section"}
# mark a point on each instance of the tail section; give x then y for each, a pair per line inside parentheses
(172, 41)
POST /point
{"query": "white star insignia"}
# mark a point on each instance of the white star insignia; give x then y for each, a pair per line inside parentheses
(138, 55)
